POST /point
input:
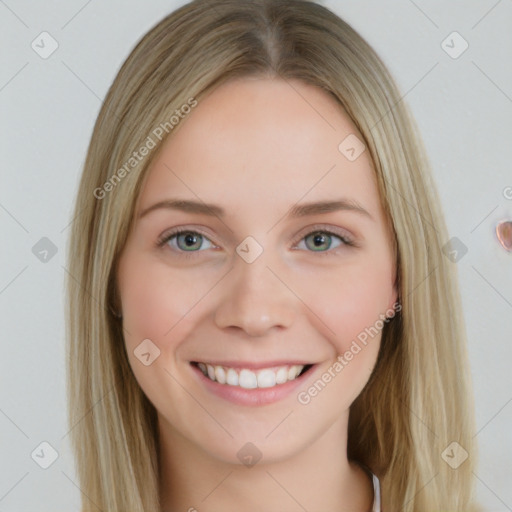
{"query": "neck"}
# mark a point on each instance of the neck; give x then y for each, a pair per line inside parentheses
(318, 478)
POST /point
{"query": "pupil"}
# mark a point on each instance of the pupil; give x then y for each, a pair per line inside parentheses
(319, 239)
(190, 240)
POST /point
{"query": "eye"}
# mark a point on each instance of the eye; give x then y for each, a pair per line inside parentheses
(184, 241)
(187, 242)
(321, 240)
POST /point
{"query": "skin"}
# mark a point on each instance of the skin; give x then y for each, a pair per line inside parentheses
(256, 147)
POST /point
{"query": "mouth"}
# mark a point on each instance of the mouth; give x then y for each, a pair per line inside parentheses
(247, 378)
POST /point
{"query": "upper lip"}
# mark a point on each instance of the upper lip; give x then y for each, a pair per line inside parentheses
(253, 364)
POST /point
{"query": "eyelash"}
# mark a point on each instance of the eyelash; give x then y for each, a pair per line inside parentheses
(315, 229)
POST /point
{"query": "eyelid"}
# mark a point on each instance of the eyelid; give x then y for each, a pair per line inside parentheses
(345, 235)
(167, 235)
(346, 238)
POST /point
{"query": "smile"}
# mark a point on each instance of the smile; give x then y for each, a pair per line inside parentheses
(251, 379)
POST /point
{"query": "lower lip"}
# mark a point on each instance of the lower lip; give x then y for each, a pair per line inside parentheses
(256, 396)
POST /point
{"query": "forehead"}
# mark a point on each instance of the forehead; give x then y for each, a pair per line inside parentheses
(257, 144)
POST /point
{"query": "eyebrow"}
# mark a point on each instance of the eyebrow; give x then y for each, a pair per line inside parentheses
(298, 210)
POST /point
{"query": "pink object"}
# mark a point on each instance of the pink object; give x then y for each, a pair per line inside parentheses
(504, 234)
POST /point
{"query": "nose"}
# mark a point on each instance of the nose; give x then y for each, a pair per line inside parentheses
(256, 300)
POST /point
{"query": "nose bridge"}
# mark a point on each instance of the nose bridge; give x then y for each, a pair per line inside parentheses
(255, 300)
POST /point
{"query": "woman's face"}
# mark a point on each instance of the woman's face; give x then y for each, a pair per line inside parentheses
(267, 282)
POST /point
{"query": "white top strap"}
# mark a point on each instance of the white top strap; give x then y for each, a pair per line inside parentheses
(376, 492)
(376, 487)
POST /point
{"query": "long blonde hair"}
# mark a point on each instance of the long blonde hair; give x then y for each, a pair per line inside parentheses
(419, 397)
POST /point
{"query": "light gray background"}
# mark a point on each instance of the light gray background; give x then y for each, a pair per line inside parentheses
(48, 106)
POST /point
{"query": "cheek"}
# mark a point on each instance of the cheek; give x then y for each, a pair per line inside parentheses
(158, 304)
(352, 303)
(155, 301)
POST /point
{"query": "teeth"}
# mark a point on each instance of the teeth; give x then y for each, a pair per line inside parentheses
(266, 379)
(232, 377)
(281, 376)
(220, 374)
(293, 372)
(248, 379)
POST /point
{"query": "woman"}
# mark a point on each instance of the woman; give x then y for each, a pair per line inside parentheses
(216, 360)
